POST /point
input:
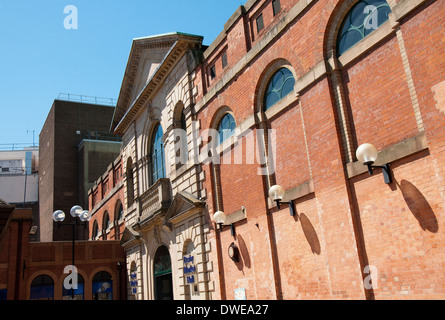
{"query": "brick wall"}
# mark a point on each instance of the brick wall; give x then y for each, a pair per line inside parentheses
(386, 91)
(107, 197)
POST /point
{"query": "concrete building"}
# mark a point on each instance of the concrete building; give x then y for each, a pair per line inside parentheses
(19, 181)
(76, 147)
(15, 165)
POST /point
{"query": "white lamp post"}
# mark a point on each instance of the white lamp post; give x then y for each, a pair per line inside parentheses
(277, 192)
(76, 212)
(368, 154)
(219, 217)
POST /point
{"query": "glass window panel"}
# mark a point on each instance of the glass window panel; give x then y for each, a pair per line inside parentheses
(276, 6)
(226, 127)
(280, 85)
(162, 262)
(259, 23)
(365, 17)
(157, 156)
(42, 288)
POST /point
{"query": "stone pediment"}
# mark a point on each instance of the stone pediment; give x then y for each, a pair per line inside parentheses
(183, 203)
(129, 235)
(151, 60)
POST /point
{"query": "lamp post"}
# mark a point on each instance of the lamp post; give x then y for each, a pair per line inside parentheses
(78, 214)
(220, 218)
(277, 192)
(367, 154)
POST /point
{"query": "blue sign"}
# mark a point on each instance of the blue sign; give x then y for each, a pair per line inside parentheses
(133, 282)
(189, 268)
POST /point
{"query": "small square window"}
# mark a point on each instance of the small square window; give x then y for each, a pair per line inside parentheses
(276, 7)
(259, 23)
(212, 72)
(224, 60)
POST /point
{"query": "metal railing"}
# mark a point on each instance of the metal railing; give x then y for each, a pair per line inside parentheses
(17, 146)
(87, 99)
(100, 135)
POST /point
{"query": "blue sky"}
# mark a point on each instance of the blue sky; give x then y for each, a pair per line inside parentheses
(39, 58)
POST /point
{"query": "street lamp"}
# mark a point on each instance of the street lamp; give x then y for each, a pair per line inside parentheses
(367, 154)
(277, 192)
(220, 218)
(76, 212)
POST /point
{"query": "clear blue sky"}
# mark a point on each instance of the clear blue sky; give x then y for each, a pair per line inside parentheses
(39, 58)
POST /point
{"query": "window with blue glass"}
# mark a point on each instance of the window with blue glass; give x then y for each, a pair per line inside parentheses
(157, 155)
(42, 288)
(102, 286)
(280, 85)
(364, 17)
(3, 294)
(226, 127)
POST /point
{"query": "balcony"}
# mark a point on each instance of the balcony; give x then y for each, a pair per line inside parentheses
(155, 202)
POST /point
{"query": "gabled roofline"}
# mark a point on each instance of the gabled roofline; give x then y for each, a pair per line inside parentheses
(178, 44)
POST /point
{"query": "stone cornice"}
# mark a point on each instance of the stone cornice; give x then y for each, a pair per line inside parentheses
(178, 44)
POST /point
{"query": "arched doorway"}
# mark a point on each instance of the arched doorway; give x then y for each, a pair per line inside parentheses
(163, 274)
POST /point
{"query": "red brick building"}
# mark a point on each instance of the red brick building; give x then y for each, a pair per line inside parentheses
(106, 200)
(383, 86)
(298, 86)
(37, 270)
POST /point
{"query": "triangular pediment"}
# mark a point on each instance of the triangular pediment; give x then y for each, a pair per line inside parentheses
(129, 235)
(183, 203)
(151, 60)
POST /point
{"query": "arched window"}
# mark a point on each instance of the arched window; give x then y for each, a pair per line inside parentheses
(95, 231)
(130, 182)
(105, 224)
(102, 286)
(42, 288)
(226, 127)
(280, 85)
(119, 214)
(157, 155)
(180, 134)
(364, 17)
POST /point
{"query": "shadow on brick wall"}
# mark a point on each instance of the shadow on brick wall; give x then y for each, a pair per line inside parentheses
(419, 206)
(310, 234)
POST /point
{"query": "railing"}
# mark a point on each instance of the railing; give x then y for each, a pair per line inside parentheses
(100, 135)
(87, 99)
(17, 146)
(156, 199)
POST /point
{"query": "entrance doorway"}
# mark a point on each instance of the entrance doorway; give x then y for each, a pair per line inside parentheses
(163, 275)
